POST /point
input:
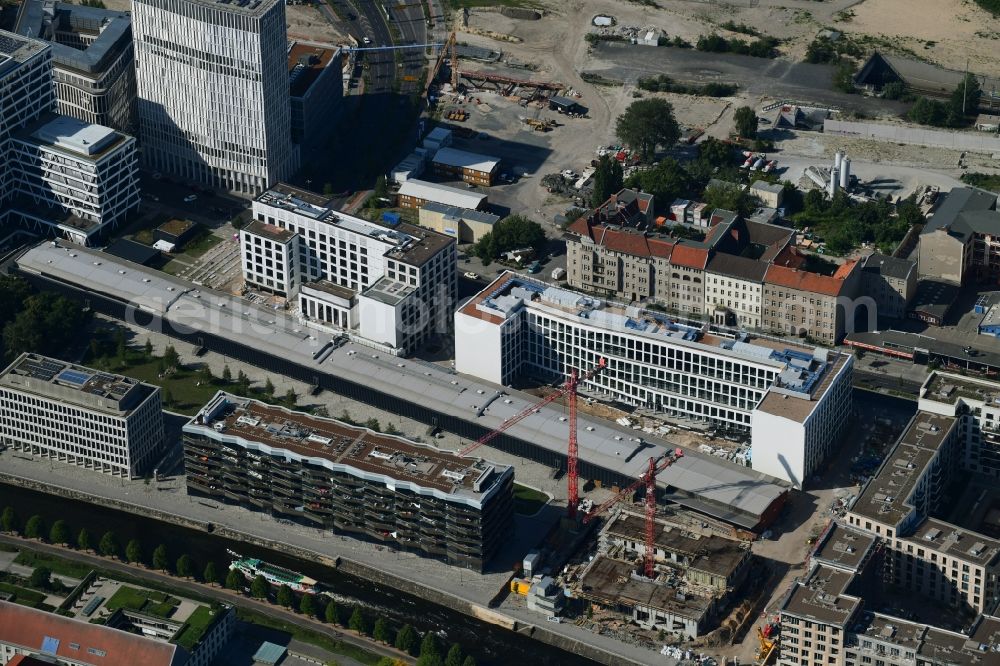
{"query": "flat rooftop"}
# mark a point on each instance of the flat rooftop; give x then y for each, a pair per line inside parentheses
(109, 30)
(463, 159)
(369, 452)
(247, 7)
(802, 371)
(451, 196)
(844, 547)
(710, 553)
(15, 50)
(389, 291)
(269, 231)
(891, 629)
(66, 382)
(886, 496)
(614, 583)
(822, 597)
(456, 213)
(727, 491)
(306, 63)
(956, 542)
(331, 288)
(949, 388)
(74, 137)
(407, 243)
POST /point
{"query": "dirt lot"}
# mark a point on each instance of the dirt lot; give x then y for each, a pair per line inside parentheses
(953, 29)
(306, 22)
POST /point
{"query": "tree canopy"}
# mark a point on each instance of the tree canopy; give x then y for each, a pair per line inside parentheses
(646, 124)
(666, 181)
(511, 233)
(45, 323)
(608, 180)
(746, 122)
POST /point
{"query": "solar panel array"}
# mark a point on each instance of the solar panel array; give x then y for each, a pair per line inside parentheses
(42, 369)
(74, 377)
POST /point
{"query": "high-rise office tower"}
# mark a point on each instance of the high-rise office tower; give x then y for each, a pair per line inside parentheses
(213, 91)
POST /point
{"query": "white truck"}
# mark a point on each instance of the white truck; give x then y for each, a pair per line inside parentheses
(558, 273)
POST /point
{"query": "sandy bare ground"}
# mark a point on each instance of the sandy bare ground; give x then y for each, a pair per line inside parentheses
(955, 29)
(306, 22)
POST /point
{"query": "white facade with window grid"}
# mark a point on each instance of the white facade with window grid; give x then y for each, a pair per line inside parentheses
(517, 326)
(212, 80)
(108, 423)
(397, 285)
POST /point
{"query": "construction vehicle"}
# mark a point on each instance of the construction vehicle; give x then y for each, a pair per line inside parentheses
(573, 453)
(768, 638)
(649, 481)
(540, 125)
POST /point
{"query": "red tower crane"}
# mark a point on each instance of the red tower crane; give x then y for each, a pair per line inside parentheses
(572, 453)
(649, 480)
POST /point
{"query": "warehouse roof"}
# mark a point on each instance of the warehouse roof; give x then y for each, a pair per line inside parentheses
(463, 159)
(451, 196)
(733, 493)
(456, 213)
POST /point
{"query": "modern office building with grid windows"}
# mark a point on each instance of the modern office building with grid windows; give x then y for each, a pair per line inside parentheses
(65, 412)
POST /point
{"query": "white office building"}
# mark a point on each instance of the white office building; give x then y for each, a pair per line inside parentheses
(86, 172)
(57, 410)
(25, 94)
(59, 175)
(394, 286)
(213, 96)
(794, 400)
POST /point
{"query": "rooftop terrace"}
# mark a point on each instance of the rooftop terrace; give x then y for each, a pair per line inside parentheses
(311, 437)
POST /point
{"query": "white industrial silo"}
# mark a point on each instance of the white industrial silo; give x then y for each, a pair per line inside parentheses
(831, 187)
(845, 173)
(837, 159)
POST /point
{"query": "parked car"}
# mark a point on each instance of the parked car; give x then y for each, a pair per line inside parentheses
(191, 197)
(534, 267)
(471, 275)
(366, 40)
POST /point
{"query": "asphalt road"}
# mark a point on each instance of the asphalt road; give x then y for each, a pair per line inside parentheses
(800, 82)
(408, 17)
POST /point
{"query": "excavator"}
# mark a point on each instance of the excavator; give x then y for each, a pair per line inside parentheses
(768, 649)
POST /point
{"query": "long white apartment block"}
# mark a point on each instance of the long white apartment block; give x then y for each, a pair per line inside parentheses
(60, 411)
(794, 400)
(395, 286)
(212, 81)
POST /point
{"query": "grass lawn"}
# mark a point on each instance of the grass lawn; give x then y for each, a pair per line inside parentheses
(55, 564)
(183, 385)
(201, 244)
(986, 181)
(308, 636)
(528, 501)
(150, 602)
(195, 627)
(22, 595)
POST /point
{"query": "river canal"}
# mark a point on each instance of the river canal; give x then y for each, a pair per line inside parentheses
(489, 644)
